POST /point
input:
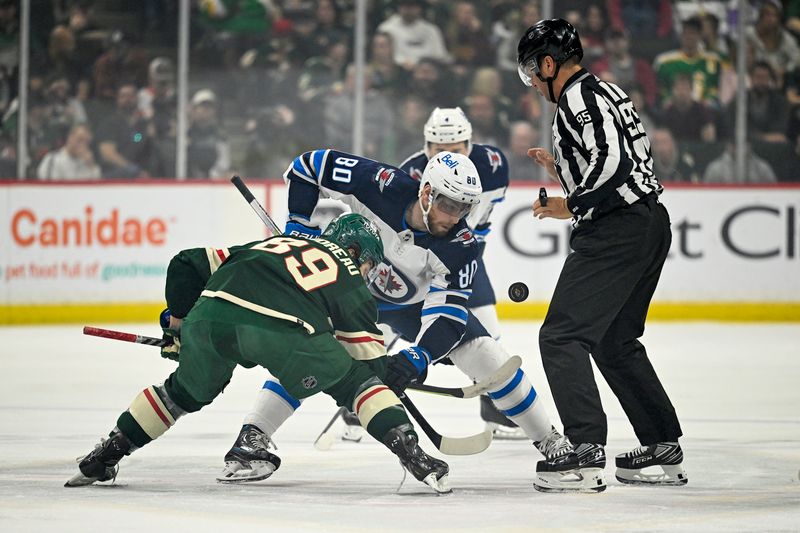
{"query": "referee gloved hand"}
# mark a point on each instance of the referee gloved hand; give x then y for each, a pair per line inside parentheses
(406, 366)
(298, 229)
(171, 327)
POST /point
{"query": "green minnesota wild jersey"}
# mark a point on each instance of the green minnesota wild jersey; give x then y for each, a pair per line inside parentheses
(311, 283)
(704, 70)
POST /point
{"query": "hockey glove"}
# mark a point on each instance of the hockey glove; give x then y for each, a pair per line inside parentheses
(172, 336)
(296, 229)
(406, 366)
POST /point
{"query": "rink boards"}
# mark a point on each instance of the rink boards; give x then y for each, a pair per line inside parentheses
(99, 251)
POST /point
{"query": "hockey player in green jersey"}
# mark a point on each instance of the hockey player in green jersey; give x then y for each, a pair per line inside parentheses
(298, 307)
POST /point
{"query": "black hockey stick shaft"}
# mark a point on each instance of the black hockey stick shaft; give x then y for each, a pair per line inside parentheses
(433, 435)
(448, 445)
(257, 207)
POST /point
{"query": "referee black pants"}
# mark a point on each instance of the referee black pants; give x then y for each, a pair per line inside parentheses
(599, 309)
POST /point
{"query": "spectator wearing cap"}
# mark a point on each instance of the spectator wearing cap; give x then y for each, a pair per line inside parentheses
(157, 103)
(160, 89)
(771, 42)
(74, 161)
(414, 38)
(703, 68)
(63, 109)
(209, 154)
(620, 67)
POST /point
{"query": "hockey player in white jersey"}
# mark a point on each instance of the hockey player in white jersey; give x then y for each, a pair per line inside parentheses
(422, 286)
(449, 129)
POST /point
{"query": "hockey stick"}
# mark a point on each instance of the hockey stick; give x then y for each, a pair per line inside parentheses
(448, 445)
(260, 211)
(325, 440)
(121, 336)
(505, 372)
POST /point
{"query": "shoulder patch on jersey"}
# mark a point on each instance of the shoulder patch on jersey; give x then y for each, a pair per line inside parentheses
(495, 161)
(583, 117)
(464, 236)
(384, 177)
(415, 173)
(391, 285)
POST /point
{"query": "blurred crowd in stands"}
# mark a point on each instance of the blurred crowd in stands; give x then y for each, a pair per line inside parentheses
(269, 79)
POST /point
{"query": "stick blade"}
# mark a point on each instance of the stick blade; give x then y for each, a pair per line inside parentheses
(504, 373)
(466, 445)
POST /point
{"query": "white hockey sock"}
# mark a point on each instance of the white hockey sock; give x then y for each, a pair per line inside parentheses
(517, 399)
(272, 408)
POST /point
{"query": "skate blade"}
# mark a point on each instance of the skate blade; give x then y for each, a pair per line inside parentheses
(441, 485)
(237, 473)
(670, 475)
(79, 480)
(585, 480)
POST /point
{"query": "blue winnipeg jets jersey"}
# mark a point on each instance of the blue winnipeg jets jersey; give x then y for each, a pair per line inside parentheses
(418, 267)
(493, 170)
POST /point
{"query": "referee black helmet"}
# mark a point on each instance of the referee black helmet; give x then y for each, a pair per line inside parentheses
(556, 38)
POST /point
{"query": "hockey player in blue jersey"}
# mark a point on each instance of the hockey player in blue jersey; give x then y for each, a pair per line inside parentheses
(448, 129)
(422, 286)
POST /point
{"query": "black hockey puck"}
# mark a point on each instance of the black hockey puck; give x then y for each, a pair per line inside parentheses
(518, 292)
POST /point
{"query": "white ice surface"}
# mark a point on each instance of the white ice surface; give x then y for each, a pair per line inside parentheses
(736, 389)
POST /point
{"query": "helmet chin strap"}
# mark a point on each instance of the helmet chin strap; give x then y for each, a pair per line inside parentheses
(426, 211)
(550, 81)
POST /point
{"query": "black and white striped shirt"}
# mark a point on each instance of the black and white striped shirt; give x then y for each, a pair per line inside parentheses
(602, 152)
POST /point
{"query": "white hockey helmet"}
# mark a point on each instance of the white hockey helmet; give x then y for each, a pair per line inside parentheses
(455, 185)
(447, 125)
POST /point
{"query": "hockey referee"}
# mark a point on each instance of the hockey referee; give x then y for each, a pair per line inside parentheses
(620, 239)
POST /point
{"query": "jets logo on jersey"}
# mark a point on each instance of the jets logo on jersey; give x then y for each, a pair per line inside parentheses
(384, 177)
(391, 285)
(465, 237)
(494, 159)
(415, 173)
(388, 282)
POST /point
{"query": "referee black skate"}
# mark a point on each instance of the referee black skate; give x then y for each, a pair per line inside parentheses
(620, 239)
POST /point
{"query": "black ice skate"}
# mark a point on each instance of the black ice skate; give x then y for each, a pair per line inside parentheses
(249, 459)
(431, 471)
(502, 427)
(656, 464)
(580, 470)
(101, 463)
(554, 445)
